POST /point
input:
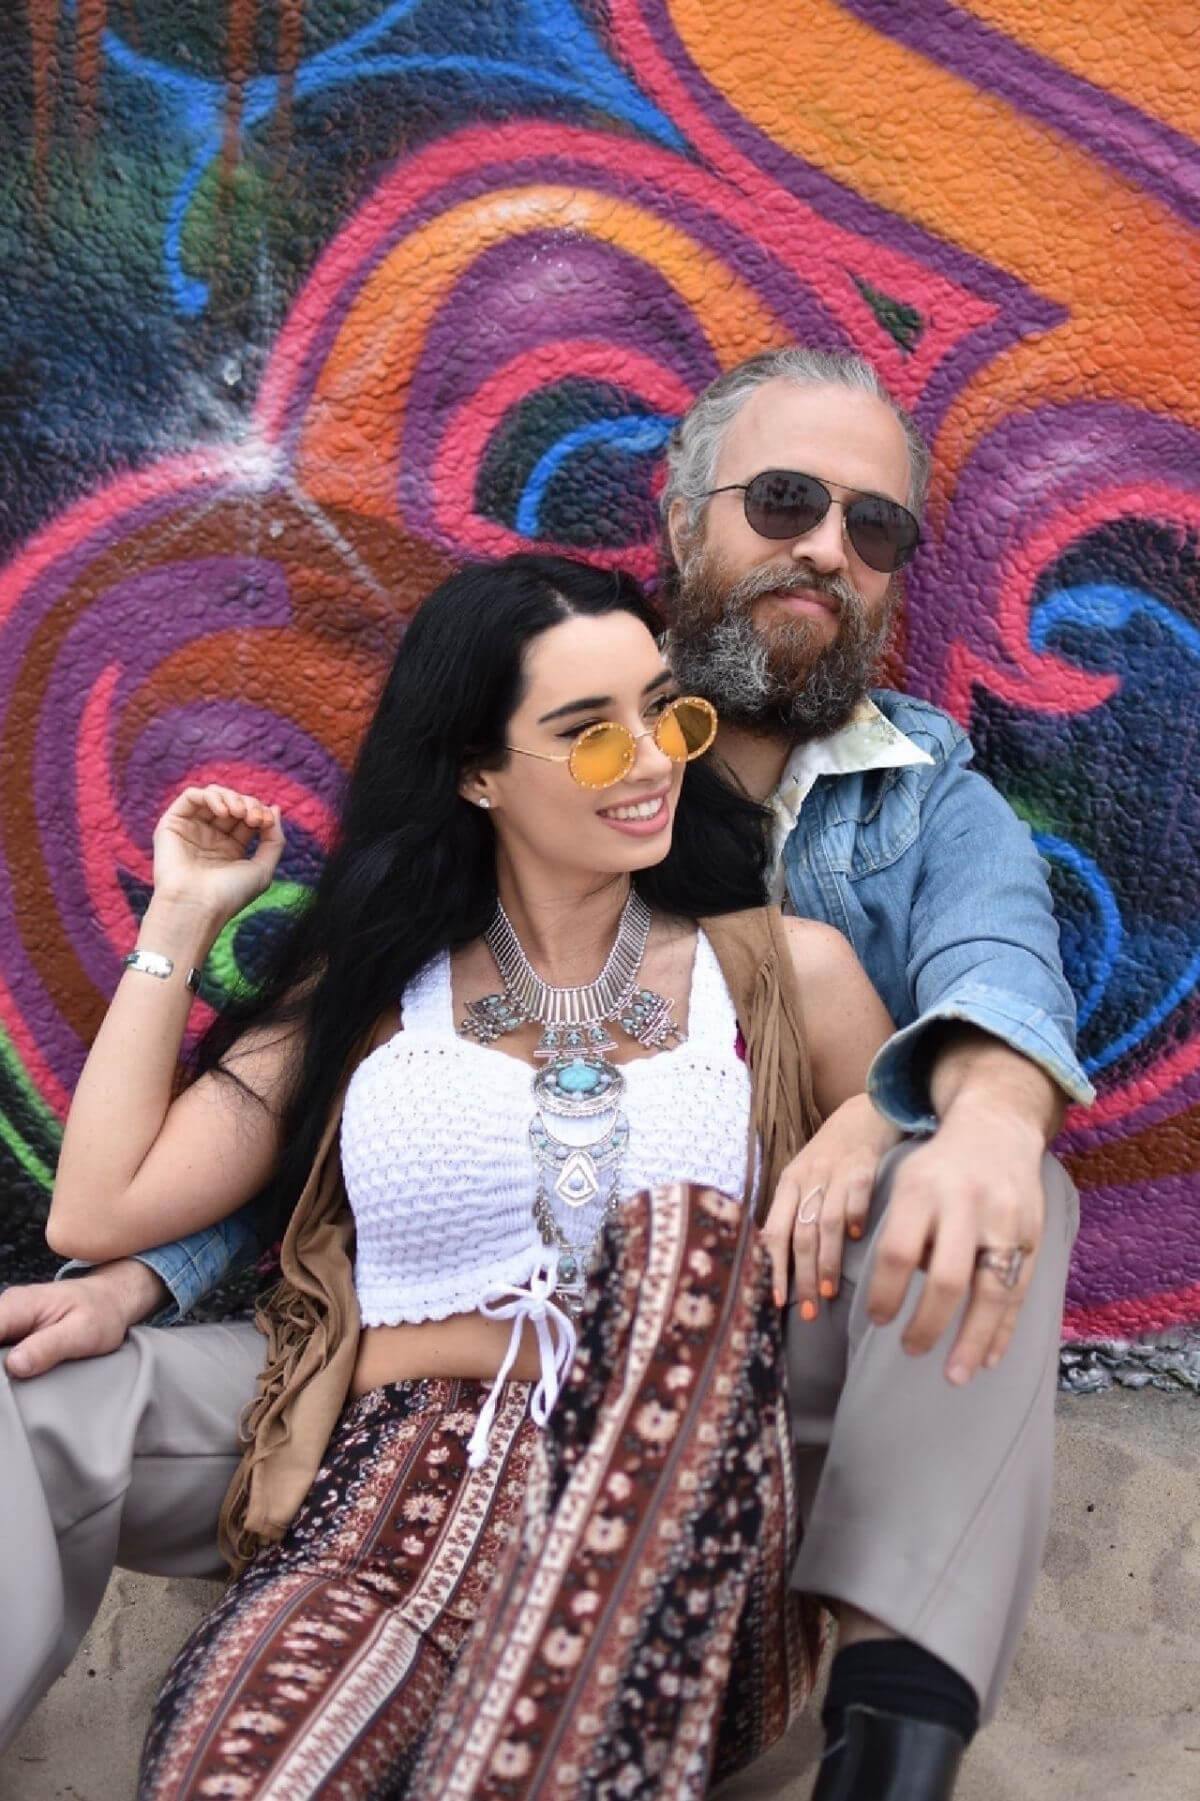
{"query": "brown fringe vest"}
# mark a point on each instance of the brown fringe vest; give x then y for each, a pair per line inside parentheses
(311, 1320)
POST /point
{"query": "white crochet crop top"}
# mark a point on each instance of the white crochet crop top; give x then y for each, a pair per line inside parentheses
(441, 1180)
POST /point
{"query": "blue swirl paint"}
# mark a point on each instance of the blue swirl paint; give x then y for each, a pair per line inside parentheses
(1104, 903)
(573, 66)
(634, 433)
(1103, 607)
(1106, 607)
(1179, 991)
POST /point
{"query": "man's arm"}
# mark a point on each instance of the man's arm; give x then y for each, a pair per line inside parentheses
(975, 1074)
(191, 1267)
(987, 1068)
(51, 1322)
(982, 952)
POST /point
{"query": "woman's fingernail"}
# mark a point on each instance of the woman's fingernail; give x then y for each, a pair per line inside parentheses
(780, 1297)
(854, 1229)
(808, 1310)
(828, 1289)
(958, 1374)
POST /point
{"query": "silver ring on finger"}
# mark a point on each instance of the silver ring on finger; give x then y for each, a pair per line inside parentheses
(1003, 1261)
(810, 1219)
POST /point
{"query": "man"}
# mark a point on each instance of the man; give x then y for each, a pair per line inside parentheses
(790, 503)
(884, 832)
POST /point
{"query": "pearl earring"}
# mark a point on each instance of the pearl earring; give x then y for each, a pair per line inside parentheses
(483, 801)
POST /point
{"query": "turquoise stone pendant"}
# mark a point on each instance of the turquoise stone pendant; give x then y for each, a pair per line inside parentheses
(578, 1087)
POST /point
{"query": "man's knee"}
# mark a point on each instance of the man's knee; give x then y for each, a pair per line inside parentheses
(71, 1419)
(165, 1392)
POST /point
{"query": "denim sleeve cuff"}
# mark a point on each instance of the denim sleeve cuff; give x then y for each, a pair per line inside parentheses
(192, 1266)
(171, 1311)
(898, 1081)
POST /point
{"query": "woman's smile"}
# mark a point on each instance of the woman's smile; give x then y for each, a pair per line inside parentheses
(642, 818)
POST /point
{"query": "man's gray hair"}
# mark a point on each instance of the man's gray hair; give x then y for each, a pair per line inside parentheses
(695, 444)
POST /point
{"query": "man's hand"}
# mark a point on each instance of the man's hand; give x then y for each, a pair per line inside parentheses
(85, 1316)
(976, 1184)
(824, 1195)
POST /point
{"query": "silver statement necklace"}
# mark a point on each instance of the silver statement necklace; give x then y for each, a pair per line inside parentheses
(579, 1132)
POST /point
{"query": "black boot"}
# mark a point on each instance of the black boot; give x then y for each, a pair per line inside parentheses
(887, 1757)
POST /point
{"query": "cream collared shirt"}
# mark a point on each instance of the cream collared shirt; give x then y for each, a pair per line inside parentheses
(868, 740)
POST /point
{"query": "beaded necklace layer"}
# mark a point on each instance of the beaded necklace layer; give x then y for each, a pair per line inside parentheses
(579, 1133)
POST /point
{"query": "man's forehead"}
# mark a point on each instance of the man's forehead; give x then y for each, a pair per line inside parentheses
(825, 429)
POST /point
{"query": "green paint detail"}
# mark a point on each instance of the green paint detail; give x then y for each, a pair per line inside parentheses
(222, 972)
(903, 323)
(25, 1155)
(16, 1070)
(1034, 818)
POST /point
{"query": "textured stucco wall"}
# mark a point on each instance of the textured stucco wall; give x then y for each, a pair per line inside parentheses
(302, 301)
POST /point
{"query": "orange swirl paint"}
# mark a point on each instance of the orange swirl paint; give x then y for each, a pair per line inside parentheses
(926, 144)
(324, 685)
(349, 448)
(1143, 53)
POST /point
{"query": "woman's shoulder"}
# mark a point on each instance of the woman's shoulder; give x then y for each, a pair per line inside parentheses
(390, 1021)
(424, 1003)
(805, 938)
(821, 955)
(813, 938)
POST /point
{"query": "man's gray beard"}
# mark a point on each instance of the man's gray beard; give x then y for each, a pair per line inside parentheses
(778, 678)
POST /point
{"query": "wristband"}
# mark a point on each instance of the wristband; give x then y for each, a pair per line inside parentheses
(153, 963)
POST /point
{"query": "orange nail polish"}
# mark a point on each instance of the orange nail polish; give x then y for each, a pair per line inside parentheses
(855, 1230)
(808, 1310)
(827, 1289)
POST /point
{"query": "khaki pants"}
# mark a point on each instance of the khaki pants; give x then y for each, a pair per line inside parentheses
(124, 1460)
(926, 1506)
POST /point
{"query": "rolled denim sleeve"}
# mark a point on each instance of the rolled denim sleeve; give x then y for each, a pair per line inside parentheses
(983, 946)
(191, 1267)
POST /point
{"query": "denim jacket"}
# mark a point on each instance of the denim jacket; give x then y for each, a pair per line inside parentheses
(937, 885)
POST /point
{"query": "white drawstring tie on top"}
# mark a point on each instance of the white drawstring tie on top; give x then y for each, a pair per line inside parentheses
(556, 1342)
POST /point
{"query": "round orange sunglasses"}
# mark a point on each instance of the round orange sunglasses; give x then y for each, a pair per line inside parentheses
(604, 753)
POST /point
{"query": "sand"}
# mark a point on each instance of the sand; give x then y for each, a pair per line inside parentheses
(1104, 1700)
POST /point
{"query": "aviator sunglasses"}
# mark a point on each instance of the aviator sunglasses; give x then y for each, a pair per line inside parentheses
(604, 753)
(782, 503)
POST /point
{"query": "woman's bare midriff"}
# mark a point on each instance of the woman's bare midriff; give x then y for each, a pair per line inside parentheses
(465, 1345)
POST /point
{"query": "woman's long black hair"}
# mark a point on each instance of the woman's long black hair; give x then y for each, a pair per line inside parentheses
(412, 870)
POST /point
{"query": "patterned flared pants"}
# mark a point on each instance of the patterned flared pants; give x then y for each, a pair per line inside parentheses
(602, 1609)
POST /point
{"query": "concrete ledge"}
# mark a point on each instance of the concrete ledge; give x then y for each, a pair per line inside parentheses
(1104, 1701)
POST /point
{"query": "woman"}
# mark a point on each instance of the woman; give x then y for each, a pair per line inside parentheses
(434, 1046)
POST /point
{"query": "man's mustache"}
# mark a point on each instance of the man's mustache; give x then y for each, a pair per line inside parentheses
(792, 578)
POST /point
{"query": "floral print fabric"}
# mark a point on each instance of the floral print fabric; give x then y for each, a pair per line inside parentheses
(602, 1609)
(642, 1641)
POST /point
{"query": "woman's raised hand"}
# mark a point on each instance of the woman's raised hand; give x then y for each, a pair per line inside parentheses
(200, 848)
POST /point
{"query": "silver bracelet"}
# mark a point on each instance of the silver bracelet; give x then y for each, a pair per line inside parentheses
(153, 963)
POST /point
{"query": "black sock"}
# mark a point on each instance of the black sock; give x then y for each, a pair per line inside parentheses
(896, 1676)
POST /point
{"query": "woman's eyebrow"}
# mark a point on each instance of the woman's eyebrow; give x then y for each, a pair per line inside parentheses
(601, 700)
(577, 706)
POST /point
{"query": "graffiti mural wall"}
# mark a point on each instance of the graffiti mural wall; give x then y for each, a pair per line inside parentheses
(305, 299)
